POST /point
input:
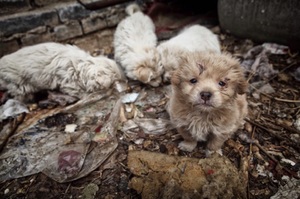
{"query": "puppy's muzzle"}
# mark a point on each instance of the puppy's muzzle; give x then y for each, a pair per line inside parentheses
(205, 96)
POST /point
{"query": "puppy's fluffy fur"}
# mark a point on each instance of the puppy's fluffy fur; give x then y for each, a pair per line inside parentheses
(190, 39)
(135, 47)
(208, 101)
(50, 65)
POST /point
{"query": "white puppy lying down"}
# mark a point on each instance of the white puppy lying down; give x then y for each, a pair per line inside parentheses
(190, 39)
(135, 47)
(50, 66)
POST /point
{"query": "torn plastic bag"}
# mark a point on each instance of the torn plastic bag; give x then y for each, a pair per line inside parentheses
(12, 108)
(61, 155)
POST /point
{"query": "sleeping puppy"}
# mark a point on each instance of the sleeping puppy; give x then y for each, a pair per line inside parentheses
(190, 39)
(50, 66)
(135, 47)
(208, 101)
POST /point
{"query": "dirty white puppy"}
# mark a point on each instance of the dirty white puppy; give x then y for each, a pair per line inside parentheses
(208, 101)
(135, 47)
(190, 39)
(50, 66)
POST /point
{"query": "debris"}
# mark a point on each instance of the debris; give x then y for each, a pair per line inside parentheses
(290, 189)
(60, 155)
(60, 119)
(89, 192)
(11, 108)
(297, 124)
(296, 74)
(70, 128)
(9, 129)
(130, 97)
(153, 126)
(276, 48)
(256, 63)
(55, 98)
(287, 161)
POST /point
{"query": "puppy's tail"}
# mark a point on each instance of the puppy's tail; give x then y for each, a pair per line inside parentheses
(132, 8)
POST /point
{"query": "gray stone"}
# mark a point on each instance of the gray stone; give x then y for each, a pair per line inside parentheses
(262, 21)
(93, 24)
(67, 31)
(97, 4)
(38, 30)
(71, 11)
(113, 20)
(13, 6)
(48, 2)
(96, 41)
(19, 23)
(31, 39)
(115, 14)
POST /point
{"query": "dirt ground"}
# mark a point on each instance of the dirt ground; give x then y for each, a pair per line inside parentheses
(271, 155)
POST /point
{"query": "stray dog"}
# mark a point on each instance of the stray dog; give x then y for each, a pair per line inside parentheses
(50, 66)
(190, 39)
(135, 47)
(208, 100)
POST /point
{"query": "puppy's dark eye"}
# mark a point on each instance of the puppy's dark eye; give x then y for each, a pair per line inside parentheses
(193, 81)
(221, 83)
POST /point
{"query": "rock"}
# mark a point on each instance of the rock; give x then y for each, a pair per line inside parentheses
(162, 176)
(89, 191)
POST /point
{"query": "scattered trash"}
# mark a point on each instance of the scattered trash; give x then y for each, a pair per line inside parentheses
(12, 108)
(153, 126)
(44, 146)
(290, 189)
(89, 192)
(55, 98)
(276, 48)
(259, 87)
(256, 61)
(296, 74)
(297, 123)
(287, 161)
(70, 128)
(130, 97)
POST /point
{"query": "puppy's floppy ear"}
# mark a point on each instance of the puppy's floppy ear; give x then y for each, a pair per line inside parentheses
(242, 86)
(175, 78)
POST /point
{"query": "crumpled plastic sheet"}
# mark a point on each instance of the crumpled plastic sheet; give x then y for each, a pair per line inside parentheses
(151, 99)
(256, 60)
(153, 126)
(61, 155)
(12, 108)
(261, 87)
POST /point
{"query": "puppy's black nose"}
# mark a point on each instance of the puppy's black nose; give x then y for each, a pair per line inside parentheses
(205, 95)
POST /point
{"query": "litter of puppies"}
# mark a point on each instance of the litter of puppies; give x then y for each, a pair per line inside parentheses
(207, 82)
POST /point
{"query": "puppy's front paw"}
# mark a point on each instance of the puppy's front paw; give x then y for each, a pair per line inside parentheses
(187, 146)
(208, 153)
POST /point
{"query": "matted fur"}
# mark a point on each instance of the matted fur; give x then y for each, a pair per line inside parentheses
(190, 39)
(50, 65)
(135, 47)
(199, 117)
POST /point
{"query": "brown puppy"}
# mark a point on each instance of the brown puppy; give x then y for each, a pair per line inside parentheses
(208, 101)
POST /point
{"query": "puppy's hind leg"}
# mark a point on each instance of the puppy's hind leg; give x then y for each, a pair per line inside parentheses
(22, 93)
(188, 144)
